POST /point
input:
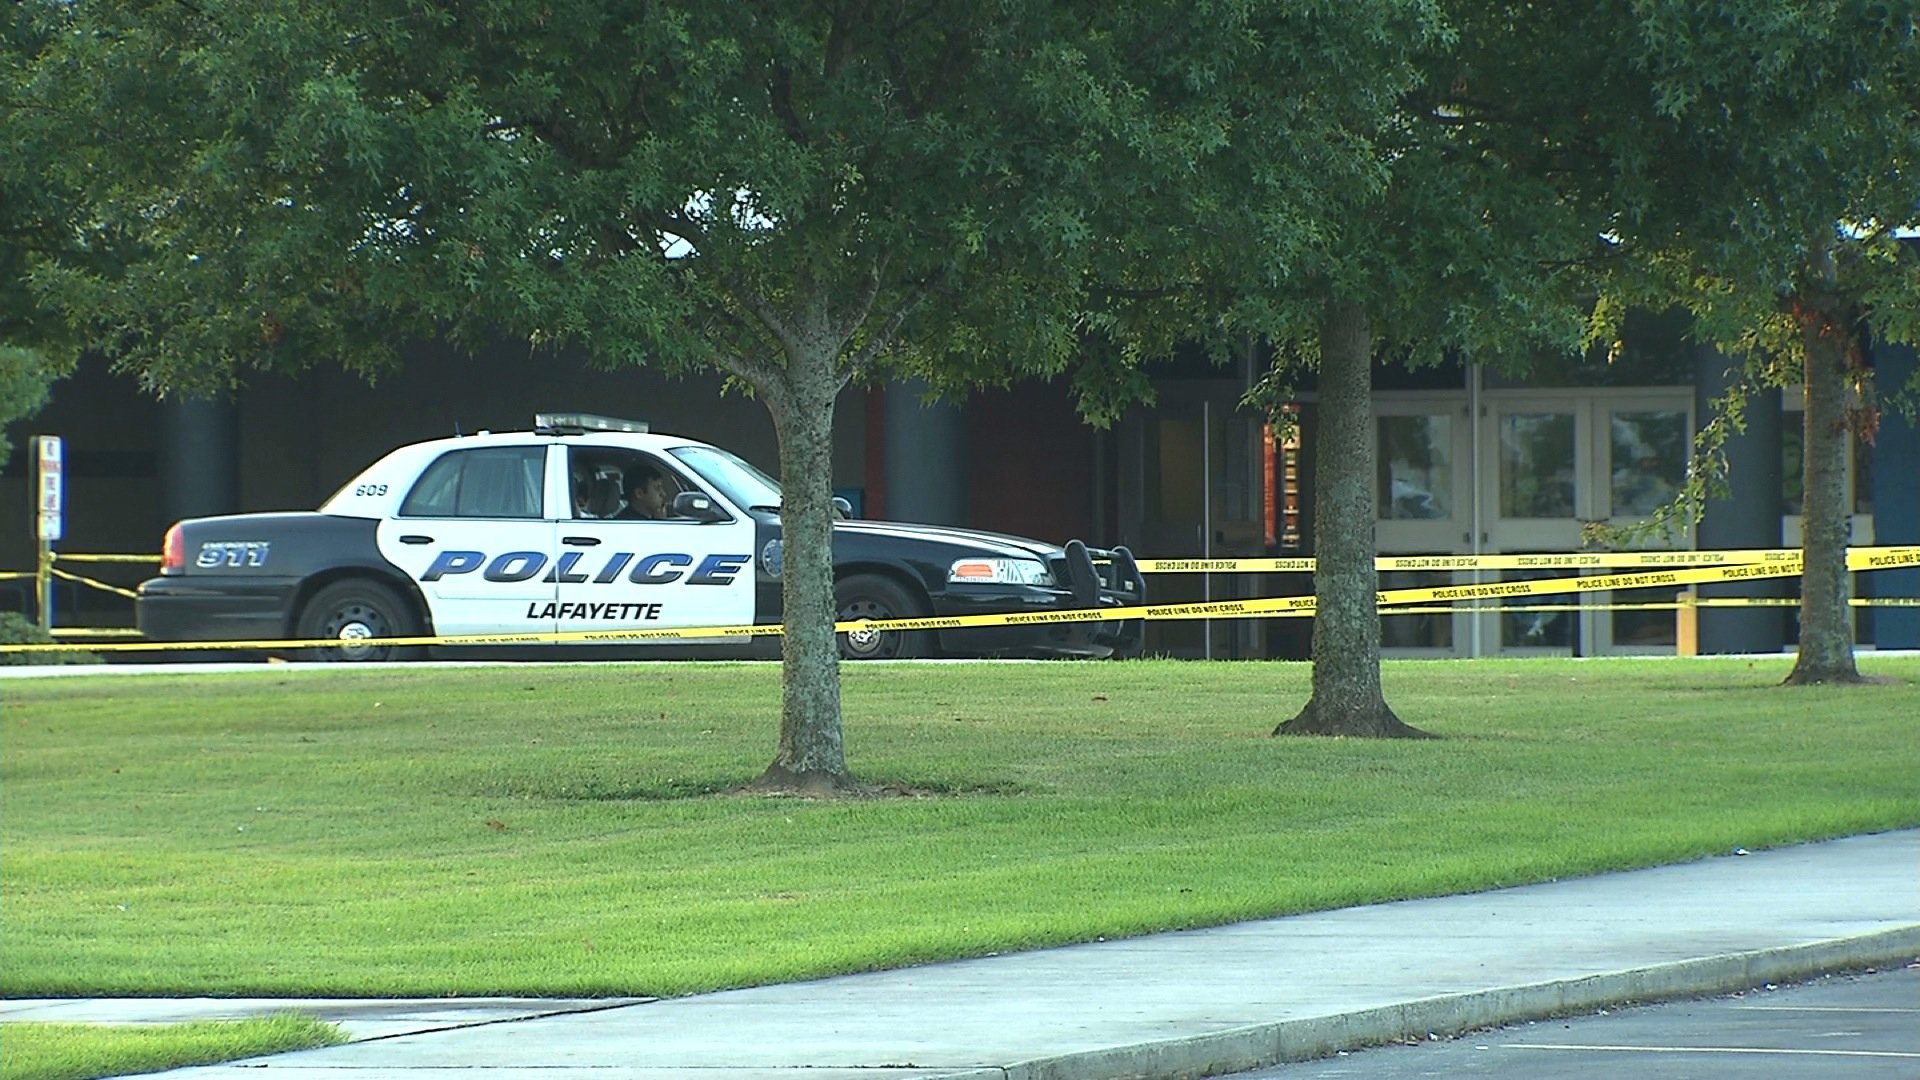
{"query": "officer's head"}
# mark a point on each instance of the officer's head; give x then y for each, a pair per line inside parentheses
(648, 492)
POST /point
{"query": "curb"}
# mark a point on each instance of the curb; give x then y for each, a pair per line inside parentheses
(1261, 1045)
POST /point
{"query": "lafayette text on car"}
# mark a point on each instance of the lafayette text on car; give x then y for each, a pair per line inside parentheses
(535, 532)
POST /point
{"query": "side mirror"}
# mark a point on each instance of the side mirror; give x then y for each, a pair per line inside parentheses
(842, 508)
(697, 506)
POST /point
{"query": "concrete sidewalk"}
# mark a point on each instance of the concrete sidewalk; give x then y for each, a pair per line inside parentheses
(1184, 1004)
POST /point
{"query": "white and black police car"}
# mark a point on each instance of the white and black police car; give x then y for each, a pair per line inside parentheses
(532, 532)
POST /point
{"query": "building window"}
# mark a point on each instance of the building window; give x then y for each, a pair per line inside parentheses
(1415, 467)
(1536, 465)
(1649, 458)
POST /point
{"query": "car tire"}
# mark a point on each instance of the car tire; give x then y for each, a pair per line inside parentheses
(358, 610)
(870, 596)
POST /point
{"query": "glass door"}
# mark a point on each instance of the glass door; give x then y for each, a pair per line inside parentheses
(1643, 445)
(1550, 466)
(1424, 499)
(1193, 485)
(1535, 483)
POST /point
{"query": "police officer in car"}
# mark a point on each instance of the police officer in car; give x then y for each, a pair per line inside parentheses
(648, 494)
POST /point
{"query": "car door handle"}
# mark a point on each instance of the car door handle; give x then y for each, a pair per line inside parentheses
(580, 541)
(416, 538)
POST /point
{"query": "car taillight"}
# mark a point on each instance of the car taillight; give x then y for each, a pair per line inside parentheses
(173, 553)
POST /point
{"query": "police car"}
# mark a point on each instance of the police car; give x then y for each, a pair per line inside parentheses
(539, 532)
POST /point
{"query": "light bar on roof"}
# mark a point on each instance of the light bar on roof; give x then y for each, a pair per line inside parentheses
(573, 423)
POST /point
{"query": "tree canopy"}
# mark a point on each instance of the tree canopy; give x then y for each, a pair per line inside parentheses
(1465, 242)
(796, 196)
(1759, 163)
(805, 196)
(34, 347)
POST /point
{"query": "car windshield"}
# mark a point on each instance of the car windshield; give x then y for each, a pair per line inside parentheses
(734, 476)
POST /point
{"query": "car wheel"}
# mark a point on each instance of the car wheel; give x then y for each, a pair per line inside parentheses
(870, 596)
(358, 613)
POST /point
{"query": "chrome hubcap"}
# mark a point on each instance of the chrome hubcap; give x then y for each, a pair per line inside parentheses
(355, 637)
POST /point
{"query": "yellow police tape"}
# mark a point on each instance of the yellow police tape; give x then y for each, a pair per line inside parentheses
(15, 575)
(1668, 605)
(1876, 558)
(101, 585)
(1784, 601)
(1548, 561)
(103, 558)
(1551, 561)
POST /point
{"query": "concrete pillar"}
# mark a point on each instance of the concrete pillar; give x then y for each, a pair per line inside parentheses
(199, 457)
(924, 457)
(1749, 518)
(1896, 502)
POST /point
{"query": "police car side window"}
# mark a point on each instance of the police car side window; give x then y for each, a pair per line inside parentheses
(494, 482)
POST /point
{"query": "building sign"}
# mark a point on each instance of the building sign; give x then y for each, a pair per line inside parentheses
(49, 496)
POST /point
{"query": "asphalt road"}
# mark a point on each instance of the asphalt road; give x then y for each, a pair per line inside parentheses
(1850, 1027)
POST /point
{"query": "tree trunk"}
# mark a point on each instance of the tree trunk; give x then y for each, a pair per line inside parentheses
(1826, 622)
(811, 759)
(1347, 699)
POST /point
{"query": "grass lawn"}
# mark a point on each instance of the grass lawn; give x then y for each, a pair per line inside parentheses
(84, 1051)
(563, 830)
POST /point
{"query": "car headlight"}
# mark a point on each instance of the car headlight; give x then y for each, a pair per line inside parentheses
(1001, 572)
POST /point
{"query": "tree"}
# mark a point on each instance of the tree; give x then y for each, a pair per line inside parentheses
(1462, 242)
(34, 351)
(1823, 153)
(796, 196)
(23, 389)
(1758, 162)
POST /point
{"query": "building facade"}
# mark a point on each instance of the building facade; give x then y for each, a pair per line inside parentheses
(1469, 461)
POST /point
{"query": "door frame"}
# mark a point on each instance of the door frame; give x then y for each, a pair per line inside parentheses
(1214, 405)
(1593, 409)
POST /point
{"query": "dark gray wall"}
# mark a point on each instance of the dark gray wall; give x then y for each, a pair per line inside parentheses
(924, 457)
(1750, 518)
(1896, 503)
(199, 457)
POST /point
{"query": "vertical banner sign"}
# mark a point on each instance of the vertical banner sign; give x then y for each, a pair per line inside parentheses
(49, 496)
